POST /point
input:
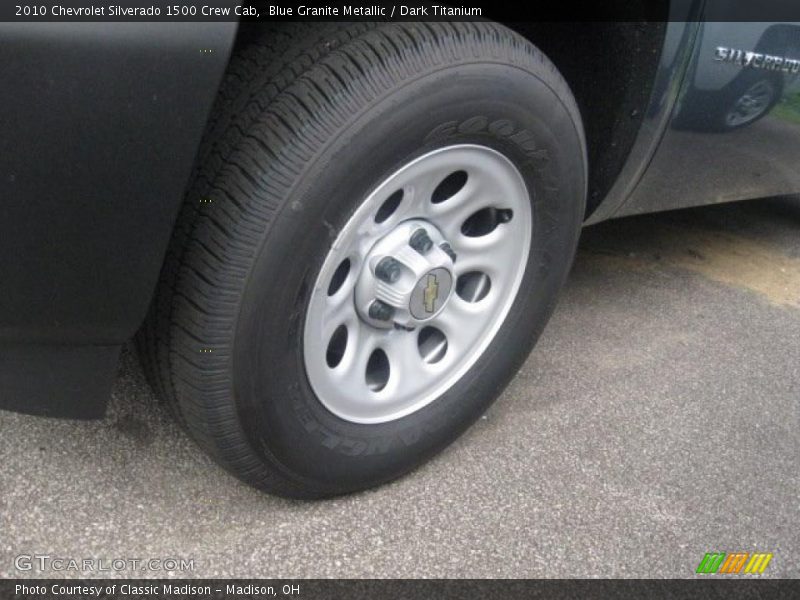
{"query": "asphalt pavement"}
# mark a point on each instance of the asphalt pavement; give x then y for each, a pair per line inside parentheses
(656, 420)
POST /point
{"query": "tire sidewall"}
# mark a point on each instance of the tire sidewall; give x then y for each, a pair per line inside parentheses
(503, 107)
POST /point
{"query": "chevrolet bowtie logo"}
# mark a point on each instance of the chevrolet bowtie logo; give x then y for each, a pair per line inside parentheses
(431, 293)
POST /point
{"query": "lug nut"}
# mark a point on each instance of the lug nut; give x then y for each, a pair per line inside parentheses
(421, 241)
(448, 249)
(388, 270)
(380, 311)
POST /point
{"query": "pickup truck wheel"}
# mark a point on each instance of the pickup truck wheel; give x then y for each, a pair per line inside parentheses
(742, 102)
(753, 103)
(369, 251)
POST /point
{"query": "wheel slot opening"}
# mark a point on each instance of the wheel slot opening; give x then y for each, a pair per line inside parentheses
(432, 344)
(339, 277)
(449, 186)
(389, 206)
(336, 347)
(485, 221)
(377, 374)
(473, 286)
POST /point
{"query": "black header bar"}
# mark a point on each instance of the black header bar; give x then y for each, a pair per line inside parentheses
(407, 10)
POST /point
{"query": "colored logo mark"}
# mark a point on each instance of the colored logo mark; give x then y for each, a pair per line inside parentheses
(734, 562)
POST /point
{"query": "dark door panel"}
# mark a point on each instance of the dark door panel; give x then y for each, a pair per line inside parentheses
(100, 125)
(735, 130)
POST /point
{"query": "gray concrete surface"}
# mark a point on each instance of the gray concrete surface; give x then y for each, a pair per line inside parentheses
(656, 420)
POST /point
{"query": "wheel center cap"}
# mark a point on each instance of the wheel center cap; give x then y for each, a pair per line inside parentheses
(430, 294)
(407, 277)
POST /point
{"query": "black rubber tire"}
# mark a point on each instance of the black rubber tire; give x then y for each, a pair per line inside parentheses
(309, 120)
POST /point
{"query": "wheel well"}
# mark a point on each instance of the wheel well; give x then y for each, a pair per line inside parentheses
(610, 68)
(610, 71)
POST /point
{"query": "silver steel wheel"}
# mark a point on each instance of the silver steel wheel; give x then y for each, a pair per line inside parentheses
(751, 105)
(417, 284)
